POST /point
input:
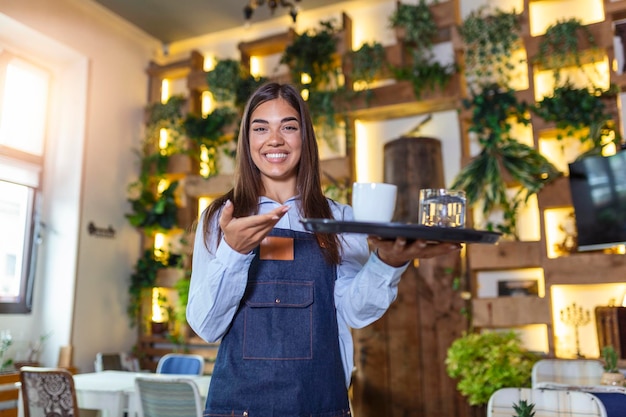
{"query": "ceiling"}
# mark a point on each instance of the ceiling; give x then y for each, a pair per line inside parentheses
(175, 20)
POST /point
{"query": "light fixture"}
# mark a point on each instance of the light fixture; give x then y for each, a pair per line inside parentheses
(249, 9)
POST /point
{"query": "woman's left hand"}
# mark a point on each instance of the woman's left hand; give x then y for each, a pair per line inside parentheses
(398, 252)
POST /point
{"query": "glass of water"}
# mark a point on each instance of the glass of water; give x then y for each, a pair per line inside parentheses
(442, 207)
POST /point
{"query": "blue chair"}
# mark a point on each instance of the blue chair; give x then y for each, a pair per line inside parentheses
(181, 364)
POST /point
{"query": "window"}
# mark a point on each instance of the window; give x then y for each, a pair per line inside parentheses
(23, 108)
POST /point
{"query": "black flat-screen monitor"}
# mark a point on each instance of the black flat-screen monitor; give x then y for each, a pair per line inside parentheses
(598, 186)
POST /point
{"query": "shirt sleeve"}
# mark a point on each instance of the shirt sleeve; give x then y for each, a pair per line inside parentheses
(218, 281)
(365, 286)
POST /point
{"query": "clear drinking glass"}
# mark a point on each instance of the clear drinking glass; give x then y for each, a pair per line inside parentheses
(442, 207)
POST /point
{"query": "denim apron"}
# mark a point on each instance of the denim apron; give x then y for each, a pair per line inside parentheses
(280, 357)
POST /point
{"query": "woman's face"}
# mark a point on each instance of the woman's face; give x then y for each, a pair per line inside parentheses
(275, 140)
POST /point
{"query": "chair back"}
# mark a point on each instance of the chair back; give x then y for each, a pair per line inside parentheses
(567, 371)
(547, 403)
(168, 397)
(48, 392)
(181, 363)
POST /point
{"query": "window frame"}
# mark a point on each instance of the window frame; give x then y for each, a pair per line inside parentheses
(23, 303)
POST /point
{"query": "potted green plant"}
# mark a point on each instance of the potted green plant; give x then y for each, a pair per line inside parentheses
(415, 24)
(484, 178)
(210, 132)
(230, 82)
(562, 44)
(574, 110)
(611, 375)
(424, 73)
(490, 38)
(143, 277)
(152, 211)
(315, 69)
(417, 30)
(482, 363)
(524, 409)
(367, 62)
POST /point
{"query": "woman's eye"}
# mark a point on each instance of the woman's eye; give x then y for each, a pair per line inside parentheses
(258, 128)
(291, 127)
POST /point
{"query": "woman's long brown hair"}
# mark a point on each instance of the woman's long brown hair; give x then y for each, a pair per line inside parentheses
(248, 187)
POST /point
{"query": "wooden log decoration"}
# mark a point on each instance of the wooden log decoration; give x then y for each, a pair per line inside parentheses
(400, 359)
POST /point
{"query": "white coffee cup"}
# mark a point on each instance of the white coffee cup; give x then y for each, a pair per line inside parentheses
(373, 201)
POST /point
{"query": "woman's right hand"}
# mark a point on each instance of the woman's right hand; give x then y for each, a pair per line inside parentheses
(243, 234)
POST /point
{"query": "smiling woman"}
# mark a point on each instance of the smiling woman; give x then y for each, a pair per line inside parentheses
(23, 103)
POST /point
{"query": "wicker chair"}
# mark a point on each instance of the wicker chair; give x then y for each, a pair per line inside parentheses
(48, 392)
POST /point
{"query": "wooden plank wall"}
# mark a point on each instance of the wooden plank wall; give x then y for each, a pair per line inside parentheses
(400, 359)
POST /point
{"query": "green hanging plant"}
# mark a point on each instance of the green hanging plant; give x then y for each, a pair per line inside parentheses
(425, 74)
(314, 53)
(143, 277)
(367, 62)
(485, 362)
(417, 22)
(490, 37)
(229, 81)
(210, 130)
(152, 211)
(222, 79)
(559, 47)
(420, 28)
(573, 110)
(493, 111)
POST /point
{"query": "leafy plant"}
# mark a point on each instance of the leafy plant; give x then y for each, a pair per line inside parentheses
(494, 109)
(485, 362)
(524, 409)
(169, 116)
(425, 74)
(417, 22)
(314, 53)
(143, 277)
(152, 211)
(229, 81)
(609, 354)
(6, 340)
(490, 38)
(222, 79)
(367, 62)
(559, 47)
(423, 70)
(182, 288)
(575, 109)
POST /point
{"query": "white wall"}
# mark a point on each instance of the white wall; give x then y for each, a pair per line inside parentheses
(99, 63)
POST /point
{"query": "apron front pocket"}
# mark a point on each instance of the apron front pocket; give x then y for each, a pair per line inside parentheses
(278, 320)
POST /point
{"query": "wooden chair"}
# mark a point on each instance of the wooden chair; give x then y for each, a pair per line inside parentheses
(9, 394)
(48, 392)
(548, 403)
(171, 397)
(181, 363)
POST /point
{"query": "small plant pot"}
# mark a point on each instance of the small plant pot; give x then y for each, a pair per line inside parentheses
(612, 378)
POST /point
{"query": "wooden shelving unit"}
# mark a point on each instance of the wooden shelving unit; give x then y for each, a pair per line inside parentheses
(572, 269)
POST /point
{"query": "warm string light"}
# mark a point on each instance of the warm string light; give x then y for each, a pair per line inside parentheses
(249, 9)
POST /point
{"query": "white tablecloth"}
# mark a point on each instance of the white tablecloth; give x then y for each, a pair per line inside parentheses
(113, 392)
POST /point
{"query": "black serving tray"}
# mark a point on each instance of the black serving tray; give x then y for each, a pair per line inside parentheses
(393, 230)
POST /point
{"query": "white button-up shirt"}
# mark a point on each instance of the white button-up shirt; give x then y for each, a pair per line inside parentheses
(364, 289)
